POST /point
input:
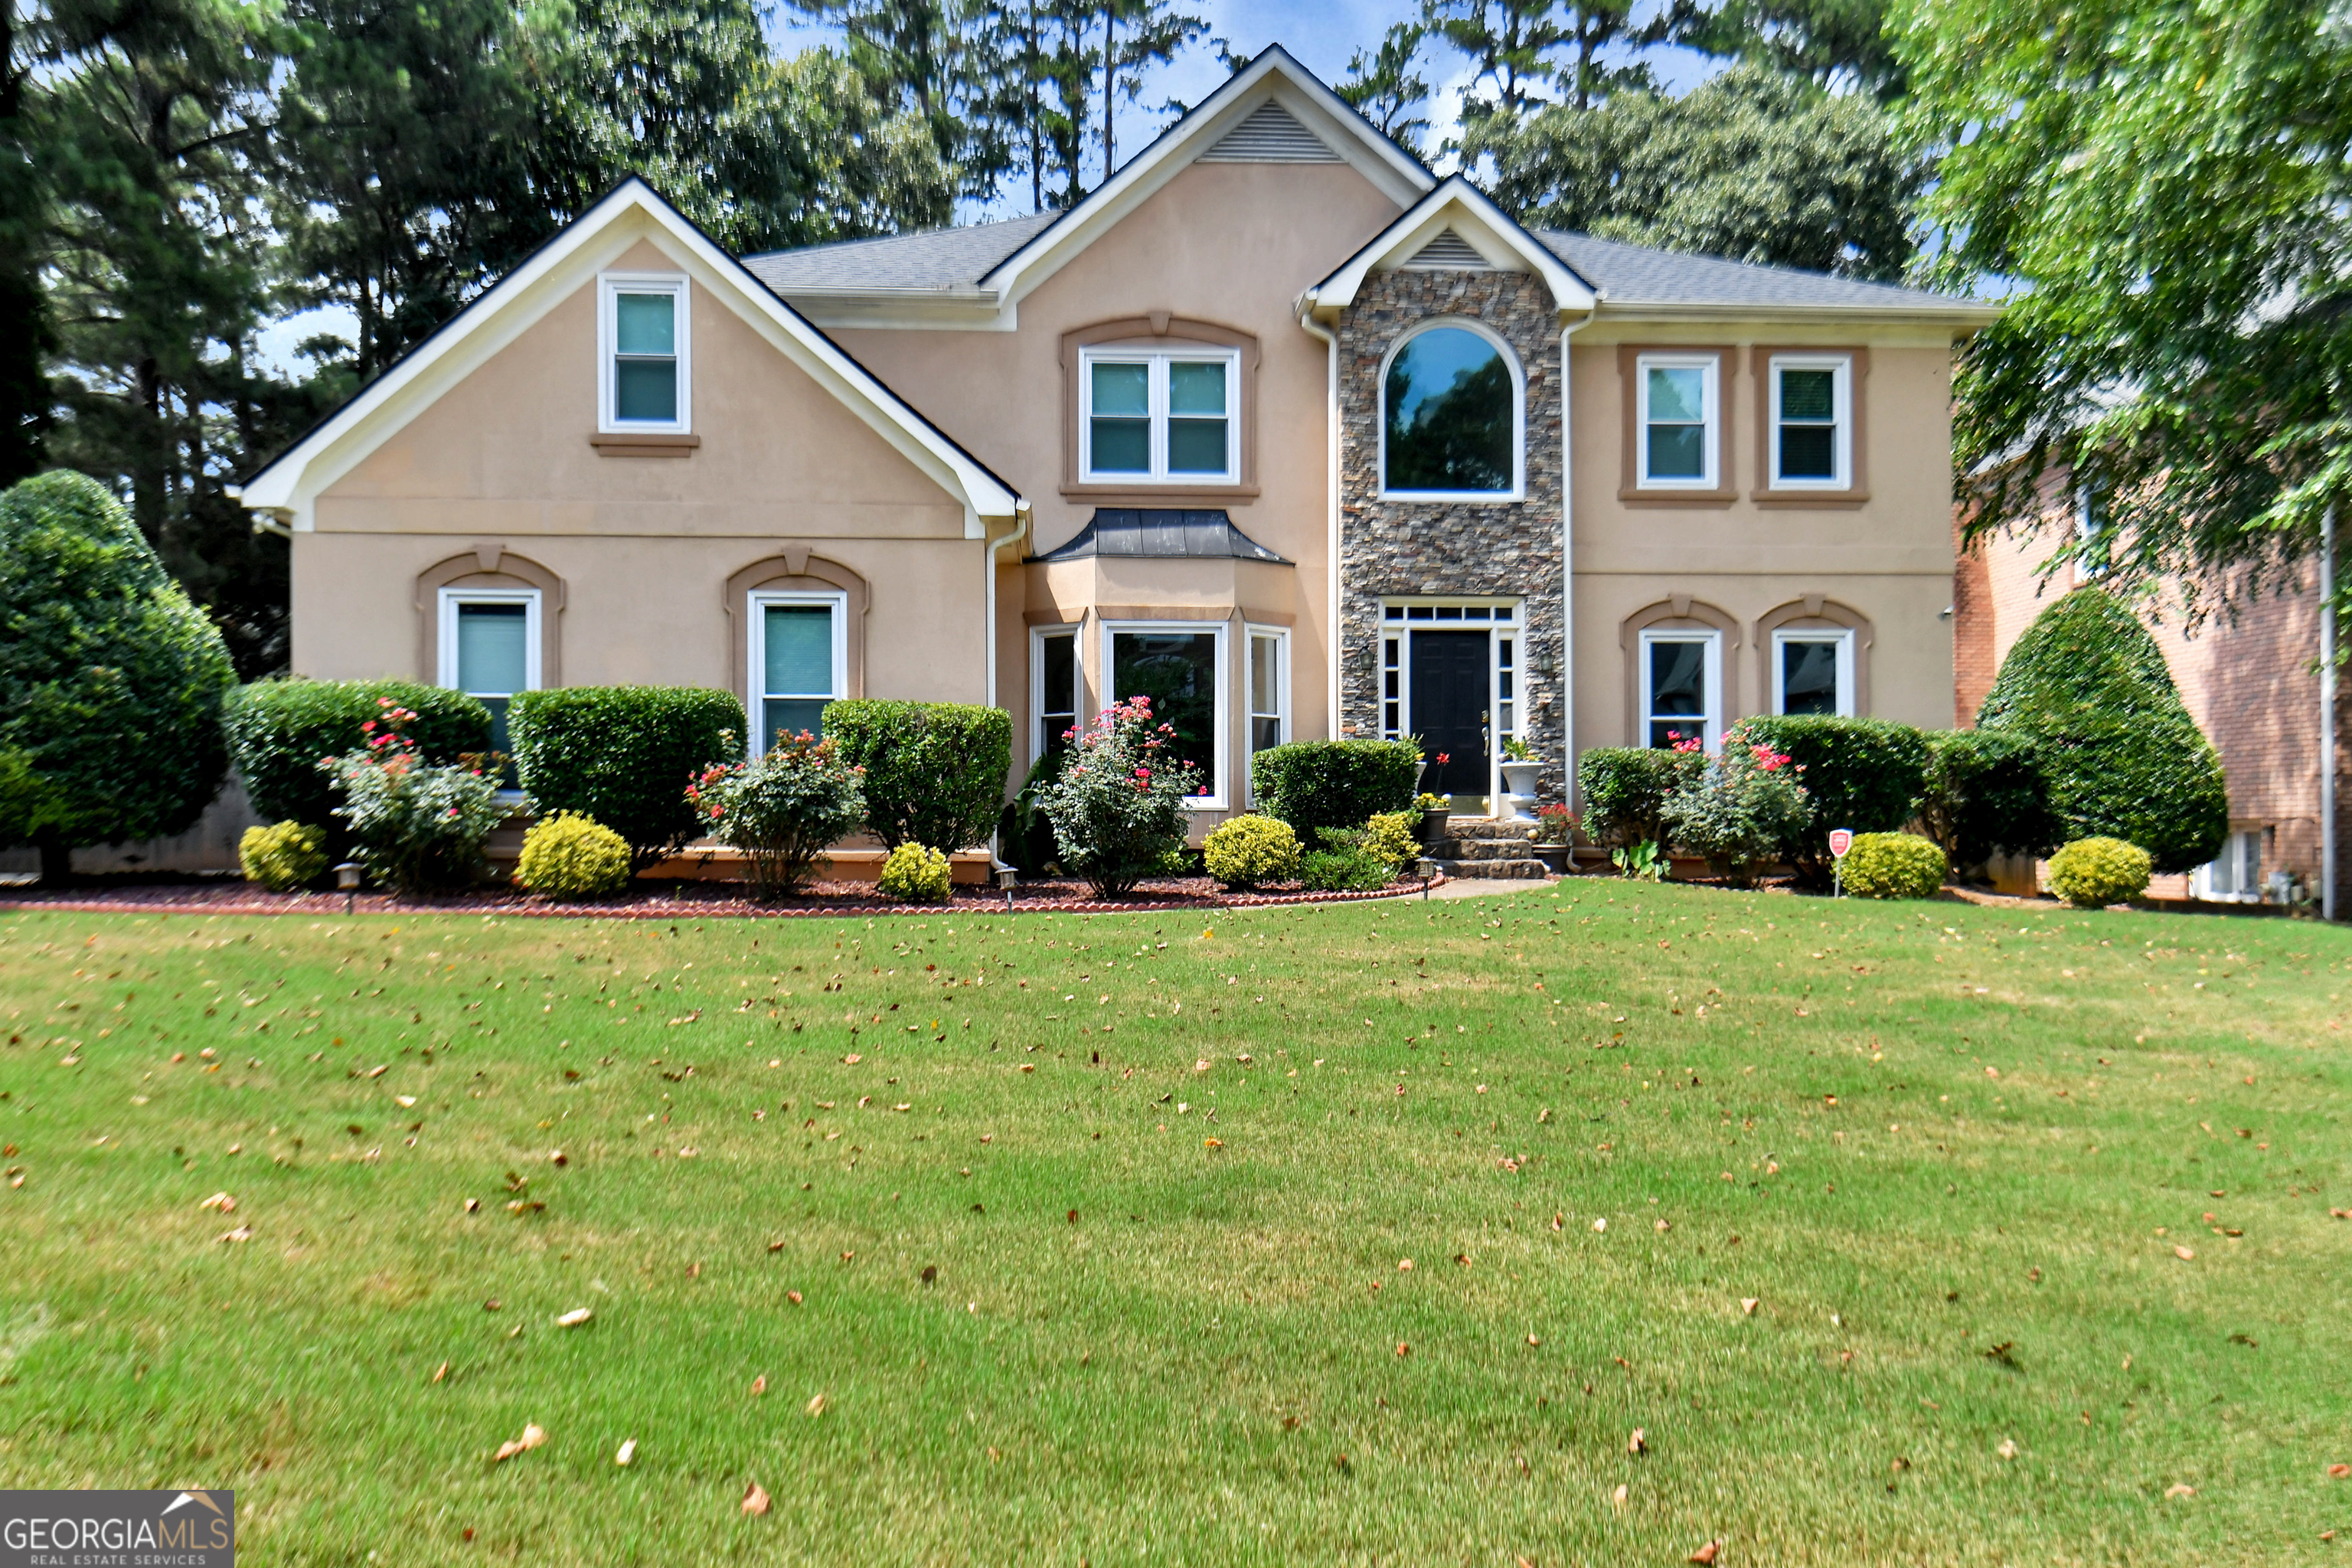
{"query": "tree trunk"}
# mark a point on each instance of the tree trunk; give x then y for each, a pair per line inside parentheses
(57, 861)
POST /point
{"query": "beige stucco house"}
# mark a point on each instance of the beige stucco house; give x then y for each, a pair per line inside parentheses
(1276, 426)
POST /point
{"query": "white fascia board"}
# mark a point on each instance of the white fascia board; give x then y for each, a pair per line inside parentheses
(1272, 75)
(1960, 317)
(287, 487)
(1462, 206)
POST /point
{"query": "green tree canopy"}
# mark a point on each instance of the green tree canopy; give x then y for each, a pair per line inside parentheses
(2123, 759)
(2169, 187)
(1754, 164)
(111, 679)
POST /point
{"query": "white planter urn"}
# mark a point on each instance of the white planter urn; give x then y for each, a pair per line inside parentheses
(1520, 785)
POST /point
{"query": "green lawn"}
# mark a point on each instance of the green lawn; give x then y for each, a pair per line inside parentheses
(1089, 1233)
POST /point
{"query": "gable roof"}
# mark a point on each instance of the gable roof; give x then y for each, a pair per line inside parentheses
(1638, 276)
(286, 487)
(1459, 209)
(978, 276)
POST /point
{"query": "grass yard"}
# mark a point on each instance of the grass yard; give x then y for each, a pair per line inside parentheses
(1933, 1234)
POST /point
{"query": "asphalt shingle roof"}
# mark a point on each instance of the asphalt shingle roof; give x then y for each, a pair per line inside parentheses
(936, 258)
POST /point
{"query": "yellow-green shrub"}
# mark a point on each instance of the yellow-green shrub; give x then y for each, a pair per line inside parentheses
(568, 856)
(283, 857)
(916, 875)
(2092, 873)
(1389, 837)
(1250, 850)
(1893, 866)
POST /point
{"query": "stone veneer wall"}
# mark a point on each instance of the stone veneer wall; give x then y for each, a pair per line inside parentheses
(1400, 548)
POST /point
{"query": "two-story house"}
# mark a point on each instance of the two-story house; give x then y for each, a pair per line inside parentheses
(1276, 426)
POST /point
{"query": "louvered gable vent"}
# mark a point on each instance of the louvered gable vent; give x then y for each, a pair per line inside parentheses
(1270, 134)
(1449, 252)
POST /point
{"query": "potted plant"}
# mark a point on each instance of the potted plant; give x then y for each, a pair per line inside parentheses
(1434, 811)
(1556, 837)
(1521, 770)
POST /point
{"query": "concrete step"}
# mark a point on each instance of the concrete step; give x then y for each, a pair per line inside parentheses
(1483, 849)
(1508, 869)
(1464, 827)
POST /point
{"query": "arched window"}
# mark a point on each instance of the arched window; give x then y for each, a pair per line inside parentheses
(1450, 416)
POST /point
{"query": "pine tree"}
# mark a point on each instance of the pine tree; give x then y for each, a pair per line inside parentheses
(1384, 88)
(1155, 32)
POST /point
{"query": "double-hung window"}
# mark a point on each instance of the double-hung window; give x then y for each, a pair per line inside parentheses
(1681, 675)
(1159, 417)
(1811, 419)
(1812, 672)
(1053, 694)
(799, 660)
(644, 340)
(489, 650)
(1269, 688)
(1678, 421)
(1180, 667)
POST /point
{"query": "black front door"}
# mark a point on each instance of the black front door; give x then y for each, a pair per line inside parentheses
(1449, 709)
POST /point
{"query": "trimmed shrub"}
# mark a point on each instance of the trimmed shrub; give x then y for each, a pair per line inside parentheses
(2092, 873)
(915, 875)
(1251, 850)
(1389, 837)
(1357, 870)
(413, 824)
(1893, 866)
(1985, 795)
(1863, 773)
(1739, 808)
(1117, 806)
(1626, 790)
(624, 755)
(935, 772)
(1334, 784)
(281, 858)
(2123, 760)
(278, 730)
(568, 856)
(784, 809)
(111, 679)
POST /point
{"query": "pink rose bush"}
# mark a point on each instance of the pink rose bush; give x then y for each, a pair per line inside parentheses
(1117, 806)
(415, 825)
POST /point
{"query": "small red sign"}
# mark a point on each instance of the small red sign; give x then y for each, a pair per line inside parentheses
(1841, 840)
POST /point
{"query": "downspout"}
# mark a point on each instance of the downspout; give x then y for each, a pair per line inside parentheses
(1331, 490)
(1021, 515)
(2327, 714)
(1568, 571)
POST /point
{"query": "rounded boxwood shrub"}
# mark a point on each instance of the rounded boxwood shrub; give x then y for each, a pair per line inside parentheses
(1388, 836)
(916, 875)
(283, 857)
(568, 856)
(1334, 784)
(935, 772)
(278, 730)
(2092, 873)
(2123, 760)
(1249, 851)
(111, 679)
(1985, 795)
(1353, 870)
(1893, 866)
(1625, 790)
(624, 755)
(1866, 774)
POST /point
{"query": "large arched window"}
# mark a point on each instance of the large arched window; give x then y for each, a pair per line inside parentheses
(1450, 416)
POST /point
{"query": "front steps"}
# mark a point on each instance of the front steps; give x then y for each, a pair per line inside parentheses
(1476, 846)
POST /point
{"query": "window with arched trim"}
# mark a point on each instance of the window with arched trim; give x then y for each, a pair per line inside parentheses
(1450, 416)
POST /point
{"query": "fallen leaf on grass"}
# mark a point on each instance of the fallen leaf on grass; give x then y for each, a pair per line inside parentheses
(441, 1372)
(574, 1317)
(793, 1296)
(1404, 1349)
(1707, 1553)
(2179, 1489)
(221, 1202)
(473, 1206)
(1639, 1442)
(758, 1385)
(817, 1404)
(533, 1435)
(2185, 1254)
(2008, 1449)
(242, 1233)
(2338, 1472)
(1213, 1142)
(628, 1452)
(1748, 1304)
(1617, 1497)
(755, 1501)
(406, 1101)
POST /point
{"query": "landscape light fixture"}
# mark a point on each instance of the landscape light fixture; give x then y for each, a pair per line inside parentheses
(347, 879)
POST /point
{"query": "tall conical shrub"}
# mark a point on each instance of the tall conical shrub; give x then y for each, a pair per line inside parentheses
(2122, 755)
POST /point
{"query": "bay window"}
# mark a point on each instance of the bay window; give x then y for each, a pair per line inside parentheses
(1180, 666)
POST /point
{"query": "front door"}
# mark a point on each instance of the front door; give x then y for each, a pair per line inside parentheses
(1449, 709)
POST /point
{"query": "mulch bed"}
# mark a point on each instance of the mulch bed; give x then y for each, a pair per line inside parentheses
(654, 902)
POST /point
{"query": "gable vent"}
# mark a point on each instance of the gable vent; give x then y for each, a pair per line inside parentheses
(1449, 252)
(1271, 134)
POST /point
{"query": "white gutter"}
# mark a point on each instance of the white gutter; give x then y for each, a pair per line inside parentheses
(988, 602)
(2327, 714)
(1332, 652)
(1567, 565)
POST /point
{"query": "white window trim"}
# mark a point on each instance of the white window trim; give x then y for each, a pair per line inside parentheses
(1158, 357)
(1037, 635)
(1221, 766)
(1711, 436)
(1711, 721)
(1281, 635)
(451, 598)
(1842, 409)
(1842, 636)
(755, 666)
(1518, 490)
(609, 287)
